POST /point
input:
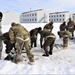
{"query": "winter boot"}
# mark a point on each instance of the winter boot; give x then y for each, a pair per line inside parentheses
(50, 52)
(9, 57)
(46, 54)
(31, 63)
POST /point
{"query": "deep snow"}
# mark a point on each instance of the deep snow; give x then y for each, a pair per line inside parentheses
(61, 62)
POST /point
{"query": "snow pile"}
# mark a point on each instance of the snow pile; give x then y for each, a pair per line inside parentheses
(61, 62)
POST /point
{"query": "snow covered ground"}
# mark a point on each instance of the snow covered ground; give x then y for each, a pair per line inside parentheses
(61, 62)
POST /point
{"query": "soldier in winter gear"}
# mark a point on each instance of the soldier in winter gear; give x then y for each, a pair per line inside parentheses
(49, 39)
(33, 36)
(21, 37)
(1, 45)
(66, 35)
(49, 26)
(9, 46)
(70, 26)
(6, 40)
(63, 26)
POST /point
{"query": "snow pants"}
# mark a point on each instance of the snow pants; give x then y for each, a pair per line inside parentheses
(19, 44)
(49, 42)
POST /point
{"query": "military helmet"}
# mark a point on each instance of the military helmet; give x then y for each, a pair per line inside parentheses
(58, 32)
(69, 19)
(51, 22)
(39, 28)
(13, 24)
(64, 22)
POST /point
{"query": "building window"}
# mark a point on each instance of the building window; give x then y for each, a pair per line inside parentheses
(30, 19)
(63, 15)
(63, 19)
(30, 14)
(57, 15)
(60, 19)
(35, 19)
(54, 15)
(35, 14)
(60, 15)
(57, 19)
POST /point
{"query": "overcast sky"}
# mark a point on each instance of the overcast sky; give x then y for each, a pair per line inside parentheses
(20, 6)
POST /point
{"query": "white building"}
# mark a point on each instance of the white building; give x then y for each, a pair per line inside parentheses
(73, 17)
(35, 16)
(10, 17)
(59, 16)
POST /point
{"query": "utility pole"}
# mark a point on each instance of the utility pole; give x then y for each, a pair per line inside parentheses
(1, 45)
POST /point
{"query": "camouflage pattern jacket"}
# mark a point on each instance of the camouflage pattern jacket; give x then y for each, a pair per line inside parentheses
(48, 26)
(18, 31)
(62, 27)
(70, 25)
(44, 34)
